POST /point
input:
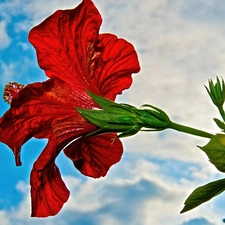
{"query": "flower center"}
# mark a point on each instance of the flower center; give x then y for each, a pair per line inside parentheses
(11, 90)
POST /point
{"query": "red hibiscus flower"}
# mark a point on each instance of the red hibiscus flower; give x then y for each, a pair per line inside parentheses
(75, 57)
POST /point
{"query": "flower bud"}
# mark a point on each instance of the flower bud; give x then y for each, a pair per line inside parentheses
(217, 92)
(123, 118)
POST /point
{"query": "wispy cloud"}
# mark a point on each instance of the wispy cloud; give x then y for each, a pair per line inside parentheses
(3, 218)
(199, 221)
(24, 45)
(7, 71)
(180, 45)
(32, 11)
(178, 56)
(142, 196)
(5, 40)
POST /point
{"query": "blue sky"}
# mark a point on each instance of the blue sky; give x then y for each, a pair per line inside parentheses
(181, 44)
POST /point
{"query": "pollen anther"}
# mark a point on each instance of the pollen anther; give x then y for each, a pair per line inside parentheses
(11, 90)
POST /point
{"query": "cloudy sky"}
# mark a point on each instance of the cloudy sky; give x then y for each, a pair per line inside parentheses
(181, 44)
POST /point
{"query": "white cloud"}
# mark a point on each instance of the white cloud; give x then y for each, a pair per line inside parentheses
(142, 195)
(109, 220)
(35, 11)
(5, 40)
(19, 71)
(22, 187)
(177, 57)
(25, 46)
(8, 71)
(3, 218)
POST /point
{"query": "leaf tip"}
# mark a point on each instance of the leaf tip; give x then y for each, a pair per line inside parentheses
(185, 209)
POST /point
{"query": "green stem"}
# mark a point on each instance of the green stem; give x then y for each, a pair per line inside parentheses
(222, 113)
(190, 130)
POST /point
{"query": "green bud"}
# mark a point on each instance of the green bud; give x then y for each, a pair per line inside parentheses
(153, 116)
(123, 118)
(217, 92)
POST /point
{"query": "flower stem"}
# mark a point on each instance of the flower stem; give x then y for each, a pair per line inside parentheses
(190, 130)
(222, 113)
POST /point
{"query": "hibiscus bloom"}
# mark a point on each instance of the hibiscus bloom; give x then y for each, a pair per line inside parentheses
(75, 57)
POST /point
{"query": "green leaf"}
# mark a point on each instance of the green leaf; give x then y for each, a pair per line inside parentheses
(215, 150)
(220, 124)
(203, 194)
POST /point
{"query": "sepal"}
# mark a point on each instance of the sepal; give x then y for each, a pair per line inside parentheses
(101, 101)
(113, 117)
(215, 150)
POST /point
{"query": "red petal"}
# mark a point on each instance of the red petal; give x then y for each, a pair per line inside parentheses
(94, 156)
(48, 191)
(68, 46)
(62, 42)
(70, 127)
(36, 107)
(117, 61)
